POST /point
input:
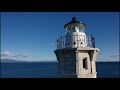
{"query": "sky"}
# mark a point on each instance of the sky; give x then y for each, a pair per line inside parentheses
(31, 36)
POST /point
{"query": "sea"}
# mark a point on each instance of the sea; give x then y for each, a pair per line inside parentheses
(50, 70)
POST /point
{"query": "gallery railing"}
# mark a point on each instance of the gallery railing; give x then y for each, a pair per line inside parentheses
(75, 41)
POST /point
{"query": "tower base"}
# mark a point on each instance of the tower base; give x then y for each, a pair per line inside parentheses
(79, 76)
(87, 75)
(77, 62)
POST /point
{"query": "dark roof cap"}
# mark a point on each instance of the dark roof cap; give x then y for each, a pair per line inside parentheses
(74, 20)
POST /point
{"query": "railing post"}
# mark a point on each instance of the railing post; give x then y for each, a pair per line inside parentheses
(57, 43)
(63, 41)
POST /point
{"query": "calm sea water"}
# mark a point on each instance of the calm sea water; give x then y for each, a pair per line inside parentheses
(50, 70)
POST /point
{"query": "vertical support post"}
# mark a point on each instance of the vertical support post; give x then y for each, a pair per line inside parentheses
(94, 62)
(57, 43)
(61, 42)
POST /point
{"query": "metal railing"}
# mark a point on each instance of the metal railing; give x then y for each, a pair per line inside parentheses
(74, 41)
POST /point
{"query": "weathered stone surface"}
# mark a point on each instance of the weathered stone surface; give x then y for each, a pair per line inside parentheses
(77, 62)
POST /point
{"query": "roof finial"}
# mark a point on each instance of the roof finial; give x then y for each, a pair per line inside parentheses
(74, 18)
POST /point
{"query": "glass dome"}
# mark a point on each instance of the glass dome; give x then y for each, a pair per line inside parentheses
(75, 24)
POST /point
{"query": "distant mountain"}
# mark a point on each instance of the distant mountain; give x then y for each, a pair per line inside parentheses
(10, 60)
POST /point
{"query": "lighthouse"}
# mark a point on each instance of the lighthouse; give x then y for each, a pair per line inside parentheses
(75, 52)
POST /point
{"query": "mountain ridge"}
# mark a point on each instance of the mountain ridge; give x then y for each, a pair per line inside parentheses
(12, 60)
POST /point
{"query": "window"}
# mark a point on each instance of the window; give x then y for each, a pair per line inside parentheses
(74, 43)
(85, 63)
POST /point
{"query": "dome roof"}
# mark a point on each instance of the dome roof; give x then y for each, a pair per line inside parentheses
(74, 21)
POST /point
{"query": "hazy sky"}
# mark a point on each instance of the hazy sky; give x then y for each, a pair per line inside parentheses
(31, 36)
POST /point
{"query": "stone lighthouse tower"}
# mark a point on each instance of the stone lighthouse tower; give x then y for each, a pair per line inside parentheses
(76, 53)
